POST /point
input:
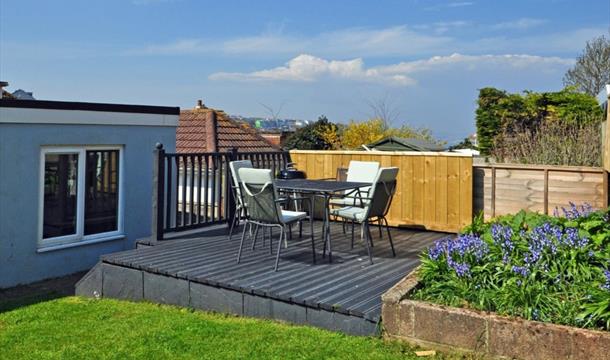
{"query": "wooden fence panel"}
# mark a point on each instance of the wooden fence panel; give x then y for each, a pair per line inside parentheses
(501, 189)
(434, 189)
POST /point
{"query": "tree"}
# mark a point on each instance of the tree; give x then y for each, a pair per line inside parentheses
(356, 134)
(501, 112)
(464, 144)
(321, 135)
(592, 69)
(384, 110)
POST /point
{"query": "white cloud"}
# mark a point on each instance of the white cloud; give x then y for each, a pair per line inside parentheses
(519, 24)
(396, 41)
(308, 68)
(453, 4)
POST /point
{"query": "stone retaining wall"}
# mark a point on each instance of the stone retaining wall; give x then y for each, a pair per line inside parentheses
(494, 336)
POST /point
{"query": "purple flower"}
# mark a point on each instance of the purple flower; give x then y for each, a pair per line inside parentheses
(458, 250)
(521, 270)
(502, 236)
(606, 285)
(575, 212)
(438, 249)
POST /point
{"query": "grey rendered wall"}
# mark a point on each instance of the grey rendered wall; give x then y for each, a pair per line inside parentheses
(19, 194)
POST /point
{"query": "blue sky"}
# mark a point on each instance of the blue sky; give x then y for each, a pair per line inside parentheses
(426, 58)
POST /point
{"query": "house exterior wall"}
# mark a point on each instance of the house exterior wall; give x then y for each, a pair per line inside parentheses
(21, 260)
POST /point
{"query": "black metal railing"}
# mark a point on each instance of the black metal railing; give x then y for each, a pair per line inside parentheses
(193, 190)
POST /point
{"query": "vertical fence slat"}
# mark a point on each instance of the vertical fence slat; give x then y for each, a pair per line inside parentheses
(192, 190)
(206, 188)
(213, 201)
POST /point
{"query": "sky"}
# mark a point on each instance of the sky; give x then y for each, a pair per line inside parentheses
(425, 59)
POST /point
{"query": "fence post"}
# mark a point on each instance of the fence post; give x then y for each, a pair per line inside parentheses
(158, 196)
(230, 198)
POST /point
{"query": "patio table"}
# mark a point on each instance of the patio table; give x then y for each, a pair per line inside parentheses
(326, 189)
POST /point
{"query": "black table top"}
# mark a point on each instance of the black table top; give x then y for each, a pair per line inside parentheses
(319, 186)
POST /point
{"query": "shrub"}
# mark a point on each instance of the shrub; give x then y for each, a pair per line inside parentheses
(551, 143)
(539, 267)
(499, 112)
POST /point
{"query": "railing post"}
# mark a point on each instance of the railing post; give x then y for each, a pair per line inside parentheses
(230, 209)
(158, 196)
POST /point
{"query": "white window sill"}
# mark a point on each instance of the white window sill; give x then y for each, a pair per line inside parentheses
(47, 248)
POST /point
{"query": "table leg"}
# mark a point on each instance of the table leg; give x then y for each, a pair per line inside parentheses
(327, 226)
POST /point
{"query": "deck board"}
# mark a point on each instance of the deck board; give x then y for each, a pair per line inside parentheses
(349, 285)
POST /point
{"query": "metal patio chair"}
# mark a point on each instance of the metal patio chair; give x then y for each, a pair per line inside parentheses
(262, 205)
(359, 171)
(239, 206)
(375, 207)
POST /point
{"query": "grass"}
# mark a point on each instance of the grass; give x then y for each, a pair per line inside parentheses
(75, 328)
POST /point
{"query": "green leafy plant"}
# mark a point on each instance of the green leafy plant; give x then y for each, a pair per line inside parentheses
(539, 267)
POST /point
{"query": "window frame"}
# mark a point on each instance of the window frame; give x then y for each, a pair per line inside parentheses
(79, 236)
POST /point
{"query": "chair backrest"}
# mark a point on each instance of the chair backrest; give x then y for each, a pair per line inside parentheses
(383, 189)
(259, 195)
(362, 171)
(235, 166)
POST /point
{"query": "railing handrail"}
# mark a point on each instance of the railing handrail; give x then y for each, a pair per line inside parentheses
(176, 204)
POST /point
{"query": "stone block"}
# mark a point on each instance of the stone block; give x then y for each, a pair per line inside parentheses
(449, 326)
(91, 284)
(522, 339)
(210, 298)
(321, 318)
(257, 306)
(122, 283)
(292, 313)
(166, 290)
(589, 344)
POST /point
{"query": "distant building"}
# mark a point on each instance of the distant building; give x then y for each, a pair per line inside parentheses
(23, 95)
(208, 130)
(392, 143)
(277, 138)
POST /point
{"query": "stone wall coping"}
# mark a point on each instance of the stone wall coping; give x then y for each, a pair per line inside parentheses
(487, 333)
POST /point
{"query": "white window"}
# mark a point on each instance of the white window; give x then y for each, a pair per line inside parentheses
(81, 194)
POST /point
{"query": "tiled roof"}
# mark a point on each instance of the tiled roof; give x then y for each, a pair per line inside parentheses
(191, 133)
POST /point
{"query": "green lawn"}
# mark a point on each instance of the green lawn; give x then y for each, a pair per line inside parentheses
(74, 327)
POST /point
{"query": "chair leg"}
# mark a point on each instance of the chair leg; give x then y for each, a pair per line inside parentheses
(353, 226)
(313, 242)
(368, 228)
(379, 227)
(255, 237)
(233, 223)
(387, 227)
(366, 232)
(241, 243)
(300, 229)
(271, 240)
(279, 248)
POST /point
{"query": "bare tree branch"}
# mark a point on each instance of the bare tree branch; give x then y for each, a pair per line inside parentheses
(384, 109)
(592, 69)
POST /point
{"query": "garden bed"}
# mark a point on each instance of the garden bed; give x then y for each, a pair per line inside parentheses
(526, 286)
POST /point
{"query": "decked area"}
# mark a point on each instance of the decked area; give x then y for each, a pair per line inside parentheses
(199, 270)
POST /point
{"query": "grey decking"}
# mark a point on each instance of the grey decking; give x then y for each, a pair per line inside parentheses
(348, 285)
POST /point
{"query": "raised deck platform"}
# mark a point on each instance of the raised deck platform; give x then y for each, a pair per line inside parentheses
(199, 270)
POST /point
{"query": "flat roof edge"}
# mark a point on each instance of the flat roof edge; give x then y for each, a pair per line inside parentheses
(87, 106)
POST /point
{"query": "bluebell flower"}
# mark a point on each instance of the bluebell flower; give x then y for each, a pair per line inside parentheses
(606, 284)
(521, 270)
(575, 212)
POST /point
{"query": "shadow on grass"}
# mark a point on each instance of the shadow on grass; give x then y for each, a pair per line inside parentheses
(8, 305)
(25, 295)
